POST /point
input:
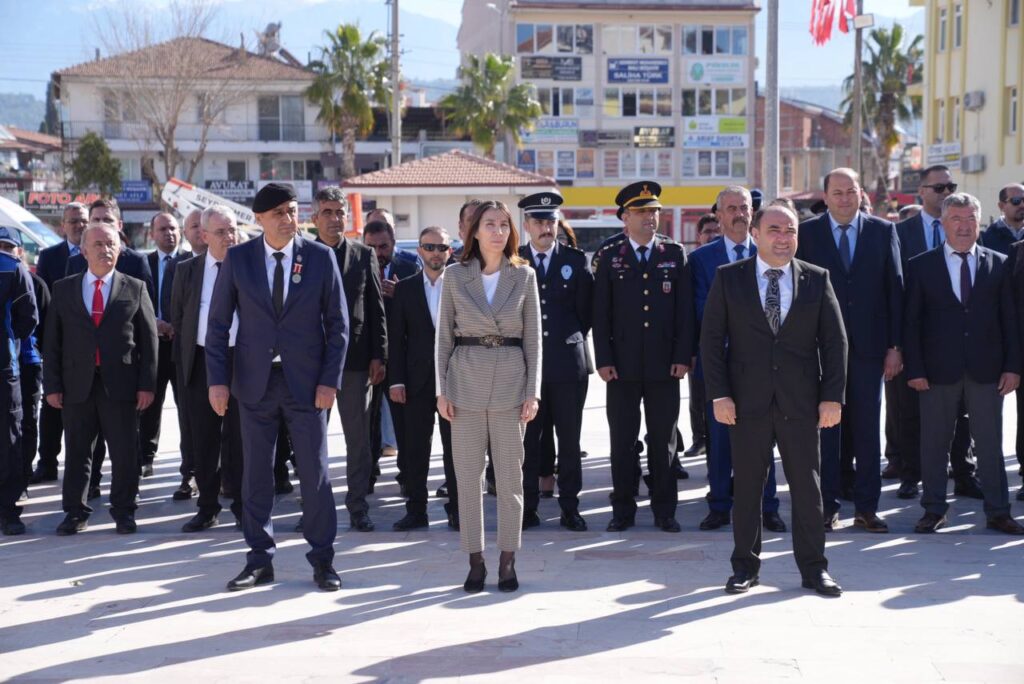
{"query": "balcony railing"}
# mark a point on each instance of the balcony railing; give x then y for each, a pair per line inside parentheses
(255, 132)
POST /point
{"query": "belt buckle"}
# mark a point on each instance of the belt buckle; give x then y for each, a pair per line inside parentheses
(492, 341)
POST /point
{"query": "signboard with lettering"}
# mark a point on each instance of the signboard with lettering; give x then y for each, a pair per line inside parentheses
(9, 190)
(654, 136)
(606, 138)
(715, 124)
(552, 68)
(552, 130)
(584, 163)
(54, 202)
(700, 71)
(947, 154)
(135, 192)
(236, 191)
(526, 160)
(637, 70)
(710, 141)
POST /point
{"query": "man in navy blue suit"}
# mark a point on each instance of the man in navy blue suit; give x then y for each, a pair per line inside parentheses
(862, 256)
(287, 363)
(733, 209)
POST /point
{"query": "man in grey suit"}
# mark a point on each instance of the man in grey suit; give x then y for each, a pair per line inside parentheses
(287, 362)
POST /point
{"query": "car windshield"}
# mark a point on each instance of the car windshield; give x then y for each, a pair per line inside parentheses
(44, 232)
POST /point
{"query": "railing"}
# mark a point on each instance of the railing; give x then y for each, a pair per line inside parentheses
(257, 132)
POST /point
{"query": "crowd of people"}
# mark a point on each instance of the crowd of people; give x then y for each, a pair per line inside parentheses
(787, 331)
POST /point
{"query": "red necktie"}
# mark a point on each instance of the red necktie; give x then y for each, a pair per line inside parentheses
(97, 312)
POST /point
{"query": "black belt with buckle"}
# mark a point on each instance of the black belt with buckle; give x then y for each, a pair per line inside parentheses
(489, 341)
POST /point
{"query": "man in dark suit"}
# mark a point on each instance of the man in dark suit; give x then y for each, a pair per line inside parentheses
(565, 285)
(411, 327)
(774, 352)
(643, 343)
(733, 210)
(129, 261)
(963, 346)
(862, 255)
(367, 346)
(289, 353)
(99, 368)
(918, 234)
(1009, 227)
(708, 230)
(216, 441)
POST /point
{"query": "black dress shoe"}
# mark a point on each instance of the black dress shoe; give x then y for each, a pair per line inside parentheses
(698, 448)
(929, 523)
(94, 493)
(870, 522)
(185, 491)
(39, 476)
(125, 524)
(326, 577)
(617, 524)
(252, 576)
(714, 520)
(474, 583)
(679, 471)
(453, 520)
(146, 470)
(822, 583)
(510, 582)
(773, 522)
(361, 522)
(907, 490)
(740, 583)
(667, 524)
(411, 521)
(573, 521)
(831, 521)
(298, 525)
(890, 472)
(1005, 524)
(200, 522)
(969, 487)
(442, 491)
(12, 527)
(72, 524)
(1020, 494)
(530, 519)
(283, 486)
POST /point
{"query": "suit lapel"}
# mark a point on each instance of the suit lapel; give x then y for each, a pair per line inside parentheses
(299, 254)
(258, 263)
(799, 280)
(116, 285)
(506, 283)
(475, 288)
(423, 304)
(752, 294)
(80, 304)
(984, 267)
(825, 226)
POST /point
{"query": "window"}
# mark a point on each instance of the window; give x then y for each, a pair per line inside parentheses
(956, 118)
(1012, 111)
(714, 164)
(543, 38)
(619, 39)
(564, 37)
(690, 35)
(942, 29)
(958, 24)
(717, 101)
(289, 169)
(739, 40)
(281, 118)
(787, 172)
(722, 45)
(707, 40)
(638, 101)
(1013, 9)
(940, 120)
(646, 42)
(548, 38)
(654, 40)
(524, 38)
(237, 170)
(715, 40)
(629, 163)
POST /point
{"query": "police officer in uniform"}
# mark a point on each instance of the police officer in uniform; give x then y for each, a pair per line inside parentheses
(643, 341)
(566, 287)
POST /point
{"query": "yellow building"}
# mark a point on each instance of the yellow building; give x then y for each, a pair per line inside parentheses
(973, 83)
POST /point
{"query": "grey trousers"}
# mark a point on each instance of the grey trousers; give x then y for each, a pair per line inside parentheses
(354, 408)
(471, 432)
(939, 412)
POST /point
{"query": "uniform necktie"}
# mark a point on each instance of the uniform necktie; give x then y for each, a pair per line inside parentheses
(739, 251)
(97, 312)
(540, 265)
(965, 278)
(773, 300)
(277, 294)
(936, 233)
(844, 247)
(643, 254)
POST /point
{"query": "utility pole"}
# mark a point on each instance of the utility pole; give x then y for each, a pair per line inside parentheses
(771, 106)
(396, 91)
(858, 96)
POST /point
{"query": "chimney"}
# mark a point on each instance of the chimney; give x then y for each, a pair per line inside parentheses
(97, 54)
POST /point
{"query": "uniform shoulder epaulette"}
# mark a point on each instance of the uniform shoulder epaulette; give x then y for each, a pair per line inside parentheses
(574, 251)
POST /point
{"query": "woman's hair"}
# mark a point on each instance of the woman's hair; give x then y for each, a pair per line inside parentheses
(472, 247)
(570, 235)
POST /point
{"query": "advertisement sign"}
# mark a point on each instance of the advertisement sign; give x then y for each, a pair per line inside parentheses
(552, 68)
(584, 163)
(637, 70)
(526, 160)
(135, 192)
(552, 130)
(947, 154)
(654, 136)
(566, 166)
(9, 190)
(54, 202)
(715, 71)
(606, 138)
(709, 141)
(236, 191)
(546, 163)
(303, 188)
(715, 124)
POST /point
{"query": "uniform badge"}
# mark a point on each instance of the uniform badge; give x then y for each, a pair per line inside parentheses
(296, 279)
(566, 272)
(296, 272)
(666, 286)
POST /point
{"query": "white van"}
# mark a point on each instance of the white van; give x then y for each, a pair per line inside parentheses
(35, 235)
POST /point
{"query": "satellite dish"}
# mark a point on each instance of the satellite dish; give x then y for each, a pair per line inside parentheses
(269, 40)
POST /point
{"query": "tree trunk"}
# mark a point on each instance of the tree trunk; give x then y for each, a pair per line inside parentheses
(348, 152)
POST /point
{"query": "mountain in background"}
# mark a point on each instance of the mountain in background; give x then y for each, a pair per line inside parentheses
(21, 110)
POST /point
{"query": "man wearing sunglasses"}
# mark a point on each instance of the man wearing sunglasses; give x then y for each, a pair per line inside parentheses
(1009, 228)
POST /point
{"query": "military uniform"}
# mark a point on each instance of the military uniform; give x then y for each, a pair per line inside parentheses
(643, 324)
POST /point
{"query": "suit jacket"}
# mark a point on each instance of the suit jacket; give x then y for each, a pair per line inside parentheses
(411, 337)
(871, 294)
(52, 263)
(360, 277)
(129, 261)
(125, 337)
(703, 262)
(566, 307)
(152, 258)
(643, 315)
(478, 378)
(183, 312)
(803, 365)
(998, 237)
(946, 340)
(310, 335)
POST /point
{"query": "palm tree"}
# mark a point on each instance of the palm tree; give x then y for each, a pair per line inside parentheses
(887, 71)
(350, 77)
(489, 107)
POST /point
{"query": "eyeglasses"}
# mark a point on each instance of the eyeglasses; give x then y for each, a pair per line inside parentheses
(940, 187)
(436, 248)
(1016, 201)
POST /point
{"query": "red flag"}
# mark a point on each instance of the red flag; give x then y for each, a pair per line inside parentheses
(823, 14)
(846, 16)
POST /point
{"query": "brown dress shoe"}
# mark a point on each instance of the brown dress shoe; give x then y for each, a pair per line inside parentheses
(929, 522)
(870, 522)
(1005, 524)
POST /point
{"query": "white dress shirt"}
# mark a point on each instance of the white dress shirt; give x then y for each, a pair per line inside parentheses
(210, 272)
(853, 233)
(730, 248)
(785, 286)
(433, 293)
(953, 264)
(490, 286)
(927, 225)
(88, 287)
(286, 263)
(636, 250)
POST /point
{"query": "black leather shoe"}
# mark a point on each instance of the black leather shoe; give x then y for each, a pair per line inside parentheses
(822, 583)
(573, 521)
(679, 471)
(773, 522)
(831, 521)
(453, 520)
(283, 487)
(870, 522)
(146, 470)
(890, 472)
(929, 523)
(510, 583)
(72, 524)
(530, 519)
(740, 583)
(185, 491)
(442, 491)
(361, 522)
(907, 490)
(1020, 494)
(326, 577)
(200, 522)
(667, 524)
(411, 521)
(714, 520)
(11, 527)
(698, 448)
(474, 583)
(252, 576)
(39, 476)
(1005, 524)
(125, 524)
(969, 487)
(94, 493)
(617, 524)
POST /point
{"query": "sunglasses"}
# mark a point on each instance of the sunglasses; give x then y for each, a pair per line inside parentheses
(1016, 201)
(939, 187)
(436, 248)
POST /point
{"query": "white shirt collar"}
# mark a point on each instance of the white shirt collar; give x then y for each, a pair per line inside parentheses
(948, 249)
(762, 267)
(164, 255)
(73, 247)
(547, 253)
(855, 221)
(436, 283)
(636, 245)
(287, 249)
(91, 278)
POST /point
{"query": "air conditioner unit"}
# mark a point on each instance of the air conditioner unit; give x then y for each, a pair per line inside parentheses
(974, 100)
(973, 163)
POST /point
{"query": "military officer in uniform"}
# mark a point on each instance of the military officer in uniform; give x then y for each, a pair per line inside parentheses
(566, 287)
(643, 341)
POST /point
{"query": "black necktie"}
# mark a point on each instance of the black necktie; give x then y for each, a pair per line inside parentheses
(643, 254)
(844, 247)
(936, 233)
(739, 251)
(277, 294)
(540, 265)
(965, 277)
(773, 299)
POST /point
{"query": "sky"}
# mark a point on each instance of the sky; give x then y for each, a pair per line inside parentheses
(46, 35)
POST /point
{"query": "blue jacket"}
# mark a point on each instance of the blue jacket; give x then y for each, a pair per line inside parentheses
(20, 315)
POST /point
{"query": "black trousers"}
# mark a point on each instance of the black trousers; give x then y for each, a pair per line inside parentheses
(119, 423)
(282, 452)
(149, 420)
(753, 439)
(12, 468)
(376, 401)
(216, 442)
(698, 409)
(548, 451)
(51, 431)
(414, 431)
(1020, 427)
(561, 405)
(660, 399)
(31, 393)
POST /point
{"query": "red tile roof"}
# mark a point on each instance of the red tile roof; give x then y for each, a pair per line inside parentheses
(31, 141)
(455, 168)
